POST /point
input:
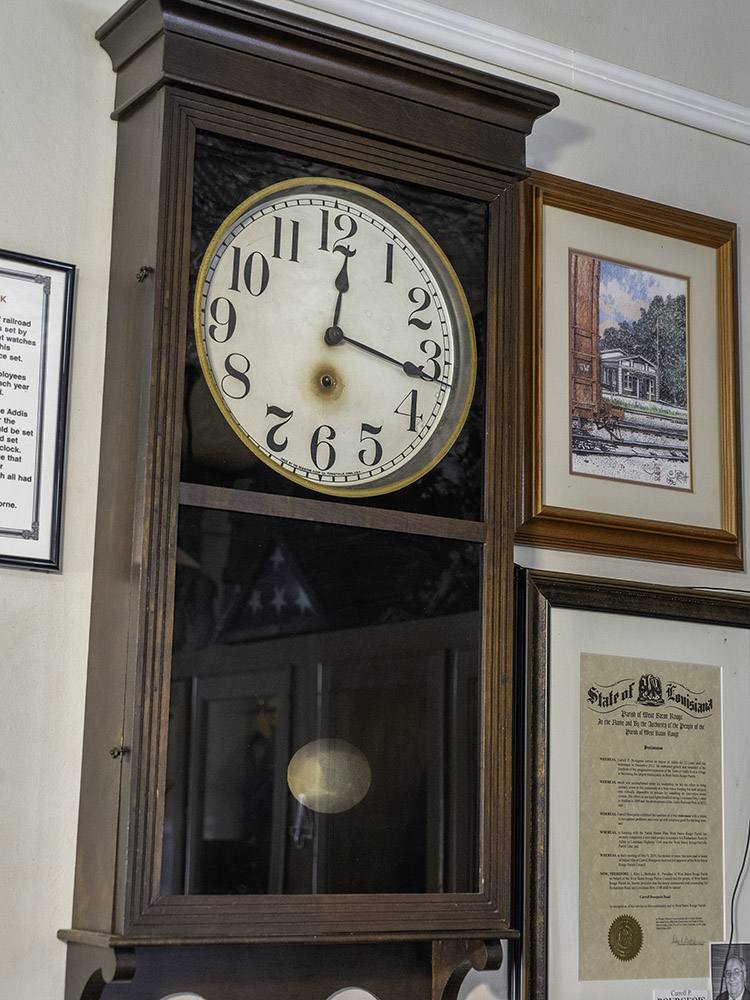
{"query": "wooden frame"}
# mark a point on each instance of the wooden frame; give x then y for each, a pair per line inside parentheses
(35, 338)
(676, 609)
(699, 523)
(153, 918)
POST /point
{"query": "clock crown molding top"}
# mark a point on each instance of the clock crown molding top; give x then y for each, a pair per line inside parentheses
(502, 49)
(157, 42)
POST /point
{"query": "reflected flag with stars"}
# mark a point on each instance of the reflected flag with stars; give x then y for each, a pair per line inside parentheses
(277, 600)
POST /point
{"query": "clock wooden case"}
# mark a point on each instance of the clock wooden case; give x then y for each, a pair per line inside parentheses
(323, 225)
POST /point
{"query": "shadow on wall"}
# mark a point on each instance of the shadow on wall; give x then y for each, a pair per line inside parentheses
(551, 136)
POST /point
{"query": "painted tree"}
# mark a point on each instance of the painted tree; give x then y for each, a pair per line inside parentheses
(660, 336)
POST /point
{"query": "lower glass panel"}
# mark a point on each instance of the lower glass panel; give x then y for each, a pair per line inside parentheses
(324, 710)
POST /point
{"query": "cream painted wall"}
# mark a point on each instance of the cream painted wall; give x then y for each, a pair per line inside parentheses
(697, 45)
(56, 171)
(56, 174)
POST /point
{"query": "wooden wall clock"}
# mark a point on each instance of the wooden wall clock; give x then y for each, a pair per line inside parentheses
(300, 756)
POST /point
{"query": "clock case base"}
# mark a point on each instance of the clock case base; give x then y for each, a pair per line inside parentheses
(391, 971)
(252, 72)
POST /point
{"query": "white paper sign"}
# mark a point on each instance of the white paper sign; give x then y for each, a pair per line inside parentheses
(651, 864)
(35, 319)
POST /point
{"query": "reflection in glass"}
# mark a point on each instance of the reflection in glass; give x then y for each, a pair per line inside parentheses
(186, 996)
(288, 633)
(329, 776)
(352, 993)
(238, 791)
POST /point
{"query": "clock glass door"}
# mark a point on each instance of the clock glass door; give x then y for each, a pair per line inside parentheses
(325, 729)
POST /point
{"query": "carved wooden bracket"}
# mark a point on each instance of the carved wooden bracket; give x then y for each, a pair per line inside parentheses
(91, 968)
(453, 960)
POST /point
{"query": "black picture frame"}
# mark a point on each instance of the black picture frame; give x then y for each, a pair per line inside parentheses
(36, 322)
(542, 593)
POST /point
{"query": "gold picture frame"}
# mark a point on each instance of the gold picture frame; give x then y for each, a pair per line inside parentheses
(675, 264)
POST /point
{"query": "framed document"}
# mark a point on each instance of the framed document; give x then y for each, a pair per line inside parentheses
(638, 699)
(36, 310)
(629, 395)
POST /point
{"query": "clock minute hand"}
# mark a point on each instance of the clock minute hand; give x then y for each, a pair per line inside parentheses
(408, 367)
(416, 371)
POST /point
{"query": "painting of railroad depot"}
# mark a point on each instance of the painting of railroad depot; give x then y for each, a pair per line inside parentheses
(629, 373)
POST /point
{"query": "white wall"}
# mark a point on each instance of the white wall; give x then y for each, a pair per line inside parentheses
(697, 45)
(56, 171)
(56, 174)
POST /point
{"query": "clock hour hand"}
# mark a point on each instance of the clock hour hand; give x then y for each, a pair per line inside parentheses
(335, 335)
(341, 284)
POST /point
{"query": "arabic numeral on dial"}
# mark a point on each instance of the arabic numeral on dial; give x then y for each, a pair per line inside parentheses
(254, 273)
(434, 351)
(235, 376)
(366, 434)
(278, 231)
(324, 215)
(422, 300)
(274, 444)
(345, 224)
(410, 400)
(388, 264)
(220, 325)
(322, 451)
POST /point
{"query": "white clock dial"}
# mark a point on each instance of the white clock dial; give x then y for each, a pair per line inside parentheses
(335, 337)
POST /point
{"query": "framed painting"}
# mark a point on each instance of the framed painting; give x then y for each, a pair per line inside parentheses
(628, 401)
(637, 703)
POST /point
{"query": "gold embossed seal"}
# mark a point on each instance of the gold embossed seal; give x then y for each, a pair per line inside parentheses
(625, 938)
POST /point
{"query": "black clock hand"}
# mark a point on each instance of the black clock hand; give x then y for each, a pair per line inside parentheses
(335, 335)
(416, 371)
(341, 284)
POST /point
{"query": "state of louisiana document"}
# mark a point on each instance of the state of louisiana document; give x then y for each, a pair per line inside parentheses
(651, 885)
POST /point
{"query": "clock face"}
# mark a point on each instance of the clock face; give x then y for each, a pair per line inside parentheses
(335, 337)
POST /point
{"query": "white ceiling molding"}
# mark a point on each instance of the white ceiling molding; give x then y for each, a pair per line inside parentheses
(423, 22)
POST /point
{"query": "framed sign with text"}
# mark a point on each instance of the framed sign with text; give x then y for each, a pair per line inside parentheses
(36, 310)
(638, 697)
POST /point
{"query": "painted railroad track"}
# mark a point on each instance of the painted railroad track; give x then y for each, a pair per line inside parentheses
(634, 438)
